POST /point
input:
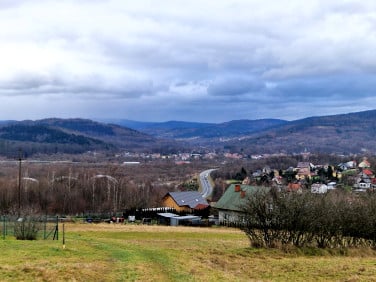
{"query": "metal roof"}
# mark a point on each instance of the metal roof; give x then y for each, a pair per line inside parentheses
(190, 198)
(232, 200)
(167, 214)
(186, 217)
(178, 217)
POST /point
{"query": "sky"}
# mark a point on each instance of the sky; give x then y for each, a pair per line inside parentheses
(197, 60)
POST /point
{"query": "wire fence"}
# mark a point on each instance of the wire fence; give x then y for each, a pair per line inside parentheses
(43, 228)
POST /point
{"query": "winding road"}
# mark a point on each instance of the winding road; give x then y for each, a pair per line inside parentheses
(206, 186)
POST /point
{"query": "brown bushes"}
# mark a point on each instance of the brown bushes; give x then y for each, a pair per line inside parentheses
(330, 220)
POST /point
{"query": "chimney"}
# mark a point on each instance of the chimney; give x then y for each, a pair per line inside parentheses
(237, 187)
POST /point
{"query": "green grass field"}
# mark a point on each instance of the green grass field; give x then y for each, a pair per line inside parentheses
(106, 252)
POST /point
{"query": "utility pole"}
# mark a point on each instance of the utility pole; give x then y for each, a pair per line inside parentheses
(19, 181)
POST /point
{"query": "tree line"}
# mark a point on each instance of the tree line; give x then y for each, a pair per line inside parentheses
(82, 187)
(58, 189)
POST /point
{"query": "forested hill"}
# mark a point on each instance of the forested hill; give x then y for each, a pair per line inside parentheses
(198, 131)
(72, 136)
(342, 134)
(109, 133)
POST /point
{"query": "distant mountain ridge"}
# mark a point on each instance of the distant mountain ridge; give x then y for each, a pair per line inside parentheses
(73, 136)
(172, 124)
(342, 134)
(196, 130)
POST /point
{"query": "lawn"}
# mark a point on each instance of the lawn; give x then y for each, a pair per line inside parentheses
(111, 252)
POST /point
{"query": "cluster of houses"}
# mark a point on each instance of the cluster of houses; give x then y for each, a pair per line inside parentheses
(230, 204)
(366, 178)
(319, 178)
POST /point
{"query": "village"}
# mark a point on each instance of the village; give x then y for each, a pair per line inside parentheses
(349, 176)
(189, 206)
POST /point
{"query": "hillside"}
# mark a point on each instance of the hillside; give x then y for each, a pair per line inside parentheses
(236, 128)
(108, 133)
(168, 129)
(203, 131)
(73, 136)
(342, 134)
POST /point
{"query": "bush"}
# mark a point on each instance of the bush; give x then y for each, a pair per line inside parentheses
(333, 220)
(27, 228)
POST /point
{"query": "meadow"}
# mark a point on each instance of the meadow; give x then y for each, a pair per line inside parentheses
(116, 252)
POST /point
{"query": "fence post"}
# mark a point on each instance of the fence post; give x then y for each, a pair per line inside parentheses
(4, 227)
(63, 236)
(57, 228)
(45, 228)
(56, 234)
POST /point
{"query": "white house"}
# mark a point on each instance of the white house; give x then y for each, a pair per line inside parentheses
(319, 188)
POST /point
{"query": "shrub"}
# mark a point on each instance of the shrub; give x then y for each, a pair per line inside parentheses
(27, 228)
(333, 220)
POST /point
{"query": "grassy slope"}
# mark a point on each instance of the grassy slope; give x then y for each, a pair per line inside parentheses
(153, 253)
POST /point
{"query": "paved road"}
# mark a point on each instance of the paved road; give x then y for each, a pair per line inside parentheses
(207, 188)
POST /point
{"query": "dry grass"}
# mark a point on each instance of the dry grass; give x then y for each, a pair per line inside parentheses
(110, 252)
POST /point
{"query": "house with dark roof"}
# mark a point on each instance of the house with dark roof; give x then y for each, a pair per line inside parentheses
(363, 182)
(185, 201)
(230, 205)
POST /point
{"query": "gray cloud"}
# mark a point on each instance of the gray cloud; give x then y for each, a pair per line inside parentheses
(234, 86)
(94, 86)
(206, 61)
(344, 87)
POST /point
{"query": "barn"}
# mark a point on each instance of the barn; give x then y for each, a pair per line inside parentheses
(185, 201)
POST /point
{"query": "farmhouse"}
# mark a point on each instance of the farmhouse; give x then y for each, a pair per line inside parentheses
(185, 201)
(230, 205)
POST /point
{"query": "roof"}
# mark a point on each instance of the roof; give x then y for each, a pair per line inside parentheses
(294, 186)
(167, 214)
(232, 200)
(367, 171)
(179, 217)
(193, 199)
(186, 217)
(303, 164)
(364, 164)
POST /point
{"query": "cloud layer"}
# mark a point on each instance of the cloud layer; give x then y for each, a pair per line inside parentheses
(206, 61)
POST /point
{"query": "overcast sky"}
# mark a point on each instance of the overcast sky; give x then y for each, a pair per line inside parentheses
(207, 61)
